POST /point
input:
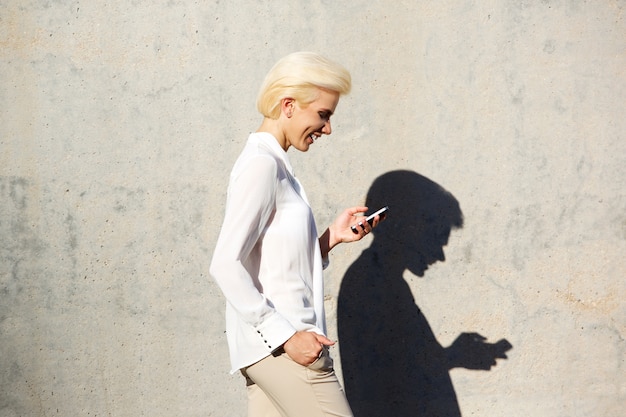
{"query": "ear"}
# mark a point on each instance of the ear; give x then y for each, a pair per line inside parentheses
(287, 105)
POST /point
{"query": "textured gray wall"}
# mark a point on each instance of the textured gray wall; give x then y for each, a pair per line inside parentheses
(119, 122)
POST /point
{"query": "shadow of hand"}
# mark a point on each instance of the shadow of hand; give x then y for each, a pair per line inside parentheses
(471, 351)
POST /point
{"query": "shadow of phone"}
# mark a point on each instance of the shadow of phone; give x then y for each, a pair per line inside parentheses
(471, 351)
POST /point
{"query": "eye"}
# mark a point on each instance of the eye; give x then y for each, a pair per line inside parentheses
(324, 115)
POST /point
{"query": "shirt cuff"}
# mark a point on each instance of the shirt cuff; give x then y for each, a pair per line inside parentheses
(274, 331)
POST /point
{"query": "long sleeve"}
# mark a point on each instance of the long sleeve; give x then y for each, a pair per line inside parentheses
(267, 259)
(250, 205)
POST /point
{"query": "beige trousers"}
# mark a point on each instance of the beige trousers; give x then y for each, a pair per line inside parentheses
(279, 387)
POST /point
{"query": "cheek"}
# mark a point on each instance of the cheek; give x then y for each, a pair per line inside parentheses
(308, 123)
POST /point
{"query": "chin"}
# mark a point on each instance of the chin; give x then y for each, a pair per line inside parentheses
(419, 271)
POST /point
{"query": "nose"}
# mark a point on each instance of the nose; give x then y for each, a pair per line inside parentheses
(327, 130)
(437, 254)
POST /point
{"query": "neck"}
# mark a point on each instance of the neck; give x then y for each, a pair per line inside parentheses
(273, 127)
(386, 257)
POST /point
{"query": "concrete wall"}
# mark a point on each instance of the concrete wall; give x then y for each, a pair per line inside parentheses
(119, 122)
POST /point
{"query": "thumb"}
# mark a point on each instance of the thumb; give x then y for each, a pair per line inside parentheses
(324, 340)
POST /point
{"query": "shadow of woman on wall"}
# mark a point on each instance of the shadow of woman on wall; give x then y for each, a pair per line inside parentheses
(392, 363)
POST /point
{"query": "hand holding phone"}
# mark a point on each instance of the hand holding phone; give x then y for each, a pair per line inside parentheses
(370, 218)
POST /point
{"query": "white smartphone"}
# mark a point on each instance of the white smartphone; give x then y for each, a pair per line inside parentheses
(370, 218)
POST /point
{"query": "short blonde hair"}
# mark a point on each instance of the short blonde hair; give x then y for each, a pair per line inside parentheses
(299, 76)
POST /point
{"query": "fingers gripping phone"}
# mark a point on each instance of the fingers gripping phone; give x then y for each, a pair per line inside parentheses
(370, 218)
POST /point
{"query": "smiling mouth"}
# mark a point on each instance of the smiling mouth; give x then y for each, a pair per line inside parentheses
(312, 137)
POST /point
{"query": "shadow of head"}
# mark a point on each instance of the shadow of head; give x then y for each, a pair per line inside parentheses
(420, 218)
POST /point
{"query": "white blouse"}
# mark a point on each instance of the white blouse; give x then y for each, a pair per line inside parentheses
(267, 259)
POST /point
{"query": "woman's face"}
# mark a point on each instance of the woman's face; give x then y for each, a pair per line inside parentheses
(306, 124)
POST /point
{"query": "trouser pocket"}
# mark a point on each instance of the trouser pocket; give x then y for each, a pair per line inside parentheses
(324, 363)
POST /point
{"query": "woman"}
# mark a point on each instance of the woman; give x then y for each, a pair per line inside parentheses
(268, 259)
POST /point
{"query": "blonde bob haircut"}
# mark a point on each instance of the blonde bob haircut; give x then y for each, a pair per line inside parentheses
(299, 76)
